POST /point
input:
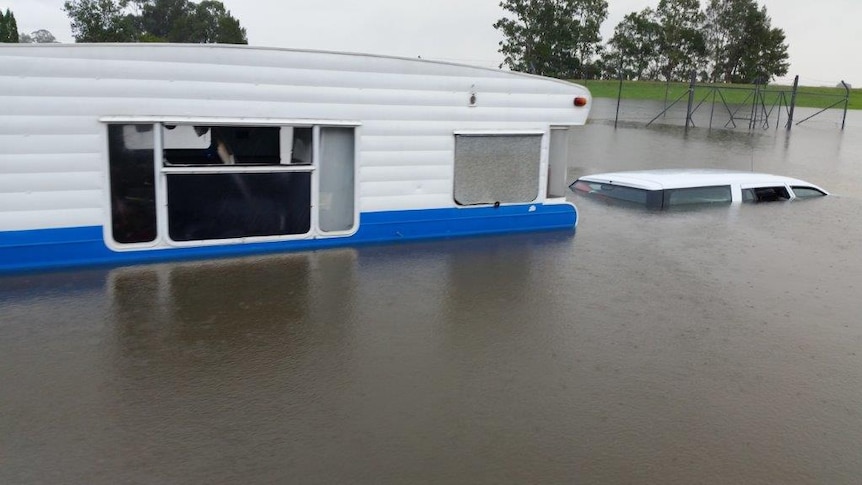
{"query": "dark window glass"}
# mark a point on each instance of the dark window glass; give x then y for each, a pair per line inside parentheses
(223, 145)
(234, 205)
(806, 192)
(133, 193)
(301, 145)
(765, 194)
(697, 195)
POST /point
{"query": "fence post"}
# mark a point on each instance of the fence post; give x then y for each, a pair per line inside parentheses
(752, 121)
(619, 92)
(846, 103)
(793, 102)
(691, 84)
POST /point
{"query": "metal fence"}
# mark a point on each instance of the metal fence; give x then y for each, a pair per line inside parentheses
(763, 106)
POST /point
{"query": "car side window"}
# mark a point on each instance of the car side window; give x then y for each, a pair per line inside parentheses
(807, 192)
(765, 194)
(719, 194)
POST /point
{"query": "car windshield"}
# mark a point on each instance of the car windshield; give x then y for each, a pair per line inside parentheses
(617, 192)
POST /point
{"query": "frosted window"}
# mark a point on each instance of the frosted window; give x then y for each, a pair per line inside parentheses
(337, 156)
(558, 160)
(497, 168)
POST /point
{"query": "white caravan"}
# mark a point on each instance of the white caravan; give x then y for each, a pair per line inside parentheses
(126, 153)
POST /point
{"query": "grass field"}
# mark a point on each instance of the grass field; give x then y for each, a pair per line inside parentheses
(807, 97)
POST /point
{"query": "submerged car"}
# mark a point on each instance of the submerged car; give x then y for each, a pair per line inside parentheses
(663, 189)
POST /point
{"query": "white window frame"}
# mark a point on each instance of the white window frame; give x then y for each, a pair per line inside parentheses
(163, 239)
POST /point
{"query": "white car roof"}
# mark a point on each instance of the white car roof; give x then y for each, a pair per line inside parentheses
(681, 178)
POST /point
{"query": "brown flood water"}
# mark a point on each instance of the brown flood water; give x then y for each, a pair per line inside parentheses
(711, 346)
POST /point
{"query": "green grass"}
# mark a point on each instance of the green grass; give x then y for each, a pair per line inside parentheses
(807, 97)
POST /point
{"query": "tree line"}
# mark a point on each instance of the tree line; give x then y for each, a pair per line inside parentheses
(727, 41)
(181, 21)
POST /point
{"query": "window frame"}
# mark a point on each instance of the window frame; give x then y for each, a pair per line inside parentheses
(163, 170)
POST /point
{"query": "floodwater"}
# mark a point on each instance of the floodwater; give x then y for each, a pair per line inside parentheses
(712, 346)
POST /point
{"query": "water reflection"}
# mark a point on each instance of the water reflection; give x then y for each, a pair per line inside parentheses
(228, 312)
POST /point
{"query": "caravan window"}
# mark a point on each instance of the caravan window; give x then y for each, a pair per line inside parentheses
(235, 205)
(133, 188)
(222, 182)
(337, 180)
(225, 201)
(495, 168)
(200, 145)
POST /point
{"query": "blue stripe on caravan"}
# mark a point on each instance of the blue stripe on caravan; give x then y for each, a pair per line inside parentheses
(82, 246)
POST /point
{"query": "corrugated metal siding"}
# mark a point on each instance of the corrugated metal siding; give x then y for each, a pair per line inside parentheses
(51, 97)
(50, 163)
(23, 220)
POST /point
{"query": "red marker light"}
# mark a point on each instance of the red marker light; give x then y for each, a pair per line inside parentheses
(580, 101)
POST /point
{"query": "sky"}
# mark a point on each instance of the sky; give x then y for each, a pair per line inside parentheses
(821, 34)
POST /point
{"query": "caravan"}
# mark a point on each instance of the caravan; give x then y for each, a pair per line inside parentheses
(118, 154)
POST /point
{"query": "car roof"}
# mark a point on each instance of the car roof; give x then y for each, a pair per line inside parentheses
(681, 178)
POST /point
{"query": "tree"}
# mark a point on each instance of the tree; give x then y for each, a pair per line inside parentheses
(634, 46)
(40, 36)
(682, 47)
(591, 13)
(163, 20)
(8, 27)
(551, 37)
(743, 45)
(209, 22)
(770, 60)
(101, 21)
(153, 21)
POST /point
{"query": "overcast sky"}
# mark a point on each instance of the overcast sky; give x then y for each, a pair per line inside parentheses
(822, 34)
